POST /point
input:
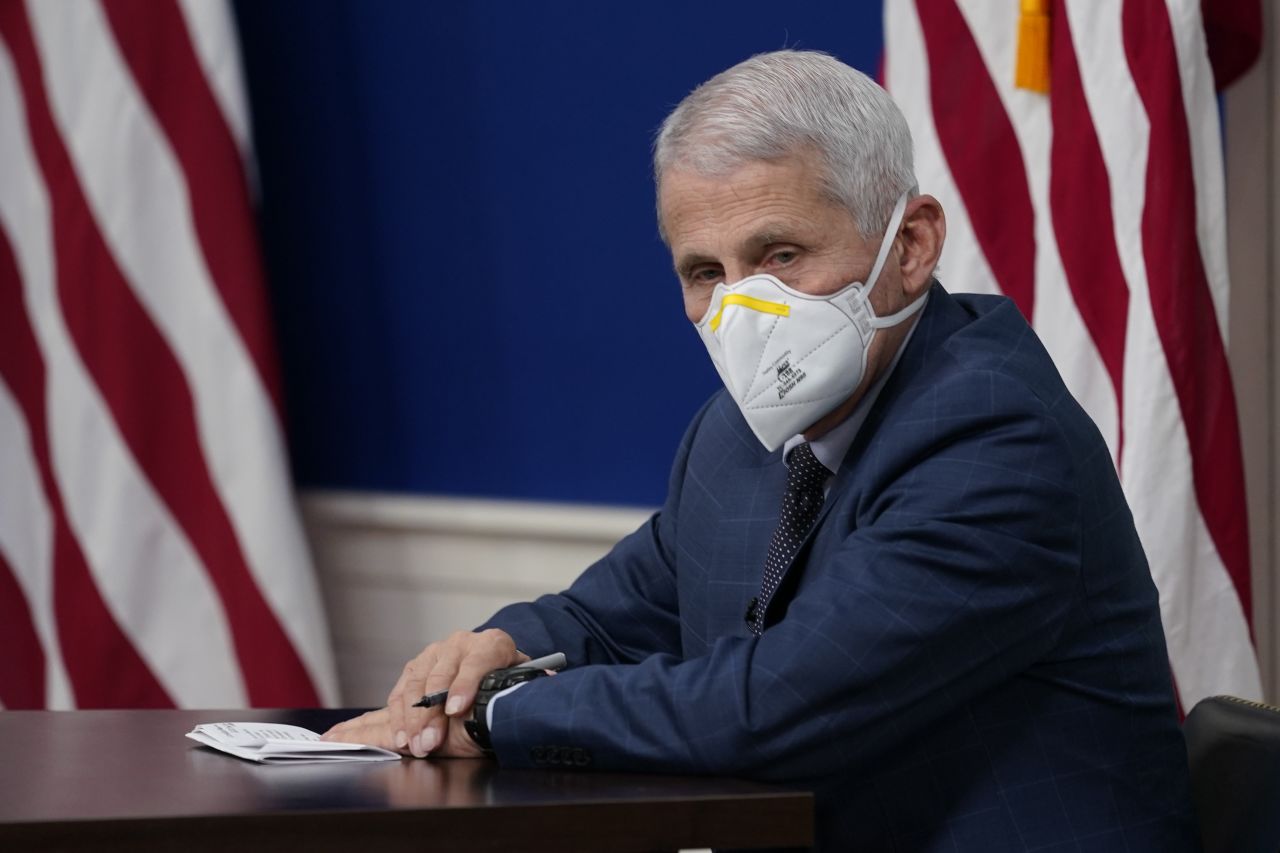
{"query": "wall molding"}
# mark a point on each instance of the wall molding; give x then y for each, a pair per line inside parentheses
(507, 518)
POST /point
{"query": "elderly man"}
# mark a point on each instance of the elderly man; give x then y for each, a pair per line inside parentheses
(895, 564)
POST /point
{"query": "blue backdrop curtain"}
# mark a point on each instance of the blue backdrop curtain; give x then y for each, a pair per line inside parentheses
(457, 211)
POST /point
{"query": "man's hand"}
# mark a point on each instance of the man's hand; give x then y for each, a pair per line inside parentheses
(456, 664)
(374, 728)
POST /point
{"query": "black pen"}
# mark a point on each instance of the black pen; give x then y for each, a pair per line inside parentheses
(555, 663)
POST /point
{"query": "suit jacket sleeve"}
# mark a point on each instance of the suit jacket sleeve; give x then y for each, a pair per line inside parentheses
(622, 608)
(956, 576)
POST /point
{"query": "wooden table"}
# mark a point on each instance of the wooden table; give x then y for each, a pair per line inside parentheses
(130, 781)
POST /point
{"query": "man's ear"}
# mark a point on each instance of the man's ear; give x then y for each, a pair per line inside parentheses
(924, 229)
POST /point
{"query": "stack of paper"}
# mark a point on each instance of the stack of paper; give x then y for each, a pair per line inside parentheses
(278, 743)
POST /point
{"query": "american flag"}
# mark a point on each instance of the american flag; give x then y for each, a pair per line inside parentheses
(1075, 148)
(150, 552)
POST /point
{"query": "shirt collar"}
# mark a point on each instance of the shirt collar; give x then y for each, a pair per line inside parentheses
(832, 447)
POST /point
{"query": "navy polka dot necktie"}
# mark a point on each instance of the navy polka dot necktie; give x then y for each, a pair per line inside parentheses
(801, 504)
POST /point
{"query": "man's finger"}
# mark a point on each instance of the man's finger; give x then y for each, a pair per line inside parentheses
(423, 731)
(409, 689)
(463, 690)
(491, 650)
(343, 731)
(369, 735)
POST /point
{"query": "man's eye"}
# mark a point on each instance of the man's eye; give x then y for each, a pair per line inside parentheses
(783, 257)
(709, 275)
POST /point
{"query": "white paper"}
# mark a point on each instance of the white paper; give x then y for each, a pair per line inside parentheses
(279, 743)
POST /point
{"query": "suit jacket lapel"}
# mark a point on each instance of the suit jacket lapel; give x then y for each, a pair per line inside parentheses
(939, 319)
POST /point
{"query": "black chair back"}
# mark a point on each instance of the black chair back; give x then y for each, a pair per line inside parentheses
(1234, 750)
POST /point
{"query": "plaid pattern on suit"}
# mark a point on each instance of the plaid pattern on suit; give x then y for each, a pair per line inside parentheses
(965, 655)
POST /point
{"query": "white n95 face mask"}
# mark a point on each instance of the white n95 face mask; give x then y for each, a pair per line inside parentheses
(789, 358)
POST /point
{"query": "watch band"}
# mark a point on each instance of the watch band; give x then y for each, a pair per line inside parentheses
(491, 685)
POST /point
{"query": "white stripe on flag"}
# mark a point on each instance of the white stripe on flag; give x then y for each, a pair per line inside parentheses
(1209, 645)
(144, 212)
(141, 563)
(1057, 320)
(26, 540)
(1122, 127)
(907, 76)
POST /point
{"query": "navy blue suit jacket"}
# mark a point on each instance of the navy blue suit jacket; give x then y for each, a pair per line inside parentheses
(967, 653)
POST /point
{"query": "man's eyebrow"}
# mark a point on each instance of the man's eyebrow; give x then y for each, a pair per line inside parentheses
(780, 232)
(763, 238)
(688, 261)
(773, 232)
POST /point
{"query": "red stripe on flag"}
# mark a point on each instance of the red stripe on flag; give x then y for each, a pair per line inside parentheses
(981, 150)
(22, 662)
(105, 669)
(1180, 299)
(1080, 201)
(155, 43)
(148, 395)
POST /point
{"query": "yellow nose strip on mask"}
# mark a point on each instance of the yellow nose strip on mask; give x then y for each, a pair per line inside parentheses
(761, 305)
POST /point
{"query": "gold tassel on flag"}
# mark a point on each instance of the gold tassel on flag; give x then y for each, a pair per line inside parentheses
(1032, 70)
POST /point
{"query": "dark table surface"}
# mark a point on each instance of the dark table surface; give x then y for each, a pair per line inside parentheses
(129, 780)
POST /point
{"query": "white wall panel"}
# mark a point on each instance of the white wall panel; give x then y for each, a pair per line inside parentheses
(398, 572)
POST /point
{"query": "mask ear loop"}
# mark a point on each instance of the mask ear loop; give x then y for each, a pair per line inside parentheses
(890, 234)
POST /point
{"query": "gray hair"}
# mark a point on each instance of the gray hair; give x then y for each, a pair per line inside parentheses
(778, 104)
